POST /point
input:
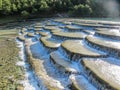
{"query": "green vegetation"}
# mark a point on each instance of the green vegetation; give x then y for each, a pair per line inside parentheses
(81, 8)
(10, 73)
(25, 14)
(8, 19)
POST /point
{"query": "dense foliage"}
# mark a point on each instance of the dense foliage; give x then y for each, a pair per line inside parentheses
(82, 8)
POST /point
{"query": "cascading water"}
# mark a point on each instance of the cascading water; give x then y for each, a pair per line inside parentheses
(63, 79)
(30, 82)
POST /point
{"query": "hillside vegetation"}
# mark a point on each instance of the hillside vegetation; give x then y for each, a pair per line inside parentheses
(79, 8)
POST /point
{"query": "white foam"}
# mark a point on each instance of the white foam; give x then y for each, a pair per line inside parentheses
(81, 82)
(30, 82)
(53, 75)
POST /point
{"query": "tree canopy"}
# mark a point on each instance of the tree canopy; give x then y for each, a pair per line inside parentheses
(81, 8)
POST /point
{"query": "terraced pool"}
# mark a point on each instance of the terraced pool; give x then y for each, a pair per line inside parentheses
(74, 54)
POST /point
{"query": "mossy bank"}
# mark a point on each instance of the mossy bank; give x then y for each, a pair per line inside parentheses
(10, 73)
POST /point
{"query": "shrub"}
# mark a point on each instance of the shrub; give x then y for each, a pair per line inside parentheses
(81, 10)
(34, 10)
(25, 14)
(43, 5)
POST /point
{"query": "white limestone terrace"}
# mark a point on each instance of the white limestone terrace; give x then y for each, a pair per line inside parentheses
(77, 49)
(89, 32)
(98, 61)
(21, 37)
(111, 34)
(108, 46)
(81, 83)
(44, 33)
(92, 23)
(105, 71)
(52, 29)
(68, 35)
(72, 25)
(63, 21)
(73, 28)
(57, 23)
(48, 74)
(101, 21)
(67, 65)
(48, 42)
(56, 28)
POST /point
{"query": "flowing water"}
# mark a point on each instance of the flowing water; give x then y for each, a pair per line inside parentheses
(66, 80)
(30, 82)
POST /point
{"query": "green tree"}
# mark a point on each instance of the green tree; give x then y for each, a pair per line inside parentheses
(6, 6)
(43, 5)
(81, 10)
(0, 4)
(14, 7)
(25, 14)
(77, 7)
(34, 10)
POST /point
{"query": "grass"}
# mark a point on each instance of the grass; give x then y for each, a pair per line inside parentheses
(7, 19)
(9, 72)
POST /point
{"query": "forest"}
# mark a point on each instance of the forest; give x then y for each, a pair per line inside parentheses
(76, 8)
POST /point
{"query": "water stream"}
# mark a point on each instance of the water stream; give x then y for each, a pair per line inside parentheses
(30, 82)
(40, 52)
